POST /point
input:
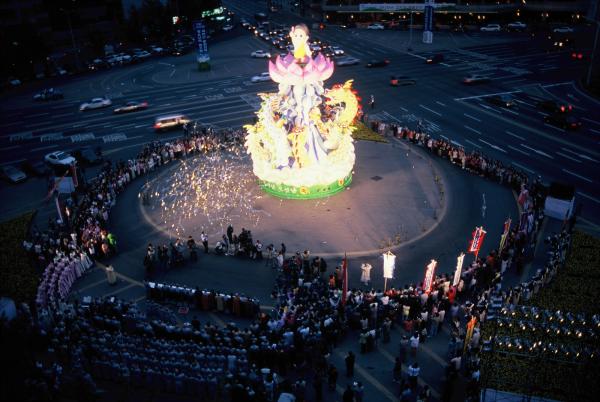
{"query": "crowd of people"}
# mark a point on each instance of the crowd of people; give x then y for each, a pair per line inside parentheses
(112, 340)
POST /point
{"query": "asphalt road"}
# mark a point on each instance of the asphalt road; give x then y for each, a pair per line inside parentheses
(225, 97)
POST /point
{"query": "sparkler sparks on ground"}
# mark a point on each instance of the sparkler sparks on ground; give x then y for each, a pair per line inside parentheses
(206, 192)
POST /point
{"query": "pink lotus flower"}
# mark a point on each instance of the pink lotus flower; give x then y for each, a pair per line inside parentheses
(286, 70)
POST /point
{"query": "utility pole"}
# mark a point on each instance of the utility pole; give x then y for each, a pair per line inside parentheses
(588, 80)
(75, 49)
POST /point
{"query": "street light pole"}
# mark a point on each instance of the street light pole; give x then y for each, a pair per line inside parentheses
(410, 30)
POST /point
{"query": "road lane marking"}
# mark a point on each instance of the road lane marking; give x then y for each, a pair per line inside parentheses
(490, 108)
(524, 103)
(591, 121)
(472, 129)
(554, 127)
(440, 103)
(496, 147)
(514, 135)
(588, 197)
(43, 148)
(582, 156)
(12, 162)
(486, 95)
(472, 143)
(9, 148)
(510, 111)
(537, 151)
(472, 117)
(432, 111)
(568, 157)
(594, 131)
(523, 167)
(577, 175)
(518, 150)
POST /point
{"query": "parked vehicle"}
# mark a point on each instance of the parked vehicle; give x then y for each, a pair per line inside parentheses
(131, 107)
(376, 26)
(347, 61)
(504, 100)
(378, 63)
(88, 156)
(59, 158)
(261, 54)
(261, 77)
(564, 29)
(12, 174)
(552, 106)
(475, 79)
(490, 28)
(563, 120)
(516, 26)
(48, 94)
(401, 80)
(95, 103)
(434, 58)
(164, 123)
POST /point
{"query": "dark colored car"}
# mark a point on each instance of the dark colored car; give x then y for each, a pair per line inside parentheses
(88, 156)
(563, 120)
(435, 59)
(401, 80)
(474, 79)
(501, 100)
(48, 94)
(552, 106)
(378, 63)
(131, 107)
(38, 168)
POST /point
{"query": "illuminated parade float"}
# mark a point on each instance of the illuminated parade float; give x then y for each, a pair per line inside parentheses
(301, 145)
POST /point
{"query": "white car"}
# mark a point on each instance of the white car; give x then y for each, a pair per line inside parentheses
(59, 158)
(517, 25)
(563, 30)
(261, 54)
(142, 54)
(261, 77)
(95, 103)
(338, 51)
(227, 28)
(346, 61)
(490, 28)
(376, 26)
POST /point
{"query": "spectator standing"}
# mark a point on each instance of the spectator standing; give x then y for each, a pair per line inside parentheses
(414, 344)
(350, 359)
(332, 375)
(413, 375)
(204, 240)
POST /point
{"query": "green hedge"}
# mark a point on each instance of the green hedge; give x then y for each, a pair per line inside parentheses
(364, 133)
(18, 278)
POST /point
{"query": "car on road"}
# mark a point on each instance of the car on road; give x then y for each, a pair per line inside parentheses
(490, 28)
(261, 54)
(156, 49)
(337, 51)
(261, 77)
(35, 168)
(503, 100)
(12, 174)
(401, 81)
(95, 103)
(552, 106)
(131, 107)
(139, 54)
(376, 26)
(227, 28)
(59, 158)
(48, 94)
(564, 29)
(179, 51)
(164, 123)
(347, 61)
(563, 120)
(98, 64)
(378, 63)
(516, 26)
(88, 156)
(475, 79)
(434, 58)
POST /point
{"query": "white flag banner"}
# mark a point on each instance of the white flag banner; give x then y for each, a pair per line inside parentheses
(429, 276)
(389, 264)
(458, 272)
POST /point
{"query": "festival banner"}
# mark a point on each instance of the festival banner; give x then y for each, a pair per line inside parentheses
(458, 272)
(345, 279)
(470, 328)
(477, 241)
(428, 282)
(389, 264)
(505, 232)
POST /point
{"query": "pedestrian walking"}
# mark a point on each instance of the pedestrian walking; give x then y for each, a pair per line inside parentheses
(372, 102)
(332, 376)
(397, 371)
(413, 375)
(414, 344)
(359, 391)
(350, 359)
(191, 243)
(404, 344)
